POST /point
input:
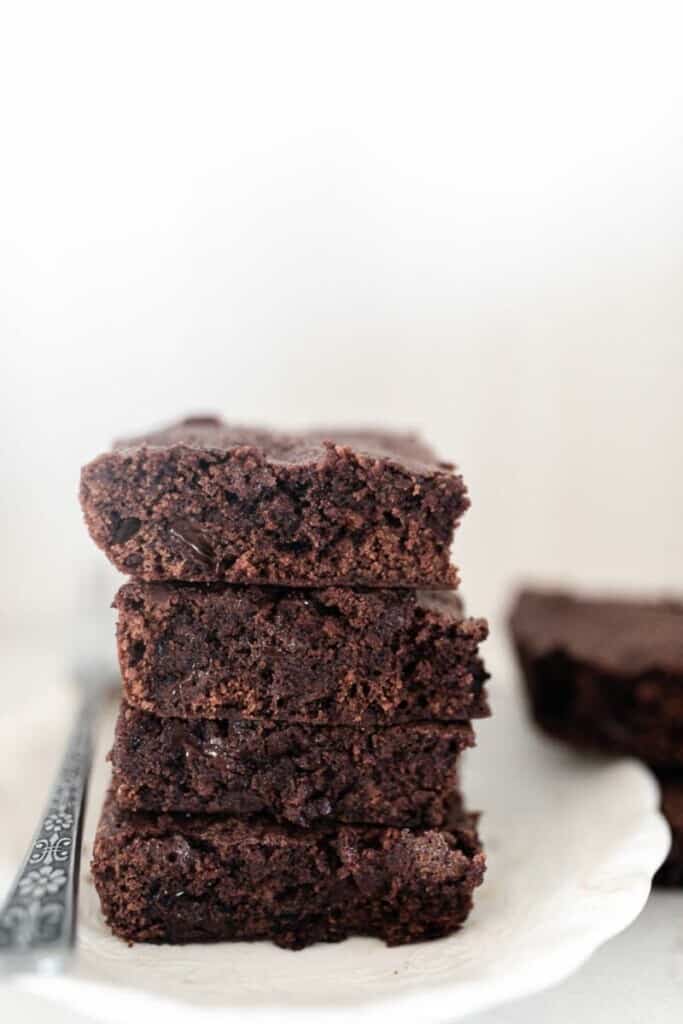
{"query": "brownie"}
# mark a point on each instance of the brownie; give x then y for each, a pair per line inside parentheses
(337, 655)
(292, 772)
(671, 871)
(202, 878)
(604, 674)
(205, 501)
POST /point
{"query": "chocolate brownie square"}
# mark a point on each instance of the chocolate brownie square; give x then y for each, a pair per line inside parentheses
(292, 772)
(201, 878)
(205, 501)
(604, 674)
(336, 656)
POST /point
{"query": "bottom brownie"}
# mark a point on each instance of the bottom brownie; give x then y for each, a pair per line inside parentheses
(198, 878)
(671, 871)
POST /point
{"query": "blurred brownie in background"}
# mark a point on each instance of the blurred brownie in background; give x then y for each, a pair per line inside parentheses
(606, 674)
(671, 871)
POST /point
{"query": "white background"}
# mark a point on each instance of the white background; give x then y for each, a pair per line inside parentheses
(463, 217)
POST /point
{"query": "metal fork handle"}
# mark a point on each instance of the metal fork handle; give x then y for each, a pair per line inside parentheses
(38, 918)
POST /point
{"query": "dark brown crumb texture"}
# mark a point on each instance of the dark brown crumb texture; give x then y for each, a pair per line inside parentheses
(604, 674)
(337, 655)
(293, 772)
(671, 871)
(204, 501)
(202, 879)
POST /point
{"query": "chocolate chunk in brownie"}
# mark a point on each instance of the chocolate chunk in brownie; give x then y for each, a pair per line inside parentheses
(337, 655)
(186, 878)
(292, 772)
(671, 871)
(205, 501)
(604, 674)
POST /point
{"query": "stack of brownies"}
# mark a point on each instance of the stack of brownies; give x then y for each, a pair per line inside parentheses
(298, 684)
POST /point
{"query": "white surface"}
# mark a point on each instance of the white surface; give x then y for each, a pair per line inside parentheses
(466, 217)
(637, 977)
(557, 887)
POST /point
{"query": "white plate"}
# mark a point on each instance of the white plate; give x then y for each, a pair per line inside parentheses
(572, 846)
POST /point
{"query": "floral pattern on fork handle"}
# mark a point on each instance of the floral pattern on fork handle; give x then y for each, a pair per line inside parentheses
(38, 918)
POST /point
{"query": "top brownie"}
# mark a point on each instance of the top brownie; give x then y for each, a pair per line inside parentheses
(620, 636)
(203, 501)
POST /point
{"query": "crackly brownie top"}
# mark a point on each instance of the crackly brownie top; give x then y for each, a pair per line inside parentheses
(211, 433)
(620, 635)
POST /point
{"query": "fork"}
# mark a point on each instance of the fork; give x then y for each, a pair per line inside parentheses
(38, 917)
